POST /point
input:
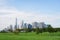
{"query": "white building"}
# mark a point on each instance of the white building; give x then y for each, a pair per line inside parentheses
(40, 25)
(25, 25)
(35, 24)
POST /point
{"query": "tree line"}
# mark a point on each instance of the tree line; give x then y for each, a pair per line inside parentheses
(38, 30)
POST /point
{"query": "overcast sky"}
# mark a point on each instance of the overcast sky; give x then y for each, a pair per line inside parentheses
(47, 11)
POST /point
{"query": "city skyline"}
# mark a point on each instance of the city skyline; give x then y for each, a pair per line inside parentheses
(25, 25)
(29, 11)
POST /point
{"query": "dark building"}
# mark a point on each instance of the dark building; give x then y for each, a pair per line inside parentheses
(29, 26)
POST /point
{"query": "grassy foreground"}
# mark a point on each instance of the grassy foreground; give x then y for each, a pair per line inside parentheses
(30, 36)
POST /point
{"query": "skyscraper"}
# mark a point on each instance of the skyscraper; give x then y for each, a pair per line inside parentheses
(22, 25)
(42, 25)
(11, 28)
(35, 24)
(25, 25)
(16, 24)
(29, 26)
(39, 25)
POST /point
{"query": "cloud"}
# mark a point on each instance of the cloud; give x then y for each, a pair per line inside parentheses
(12, 12)
(9, 13)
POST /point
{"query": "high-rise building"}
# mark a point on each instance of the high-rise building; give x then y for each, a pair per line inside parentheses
(35, 24)
(29, 26)
(16, 24)
(42, 25)
(22, 25)
(18, 27)
(11, 27)
(25, 25)
(39, 25)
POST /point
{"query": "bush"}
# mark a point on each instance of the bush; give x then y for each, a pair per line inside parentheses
(50, 29)
(26, 30)
(37, 31)
(16, 31)
(41, 30)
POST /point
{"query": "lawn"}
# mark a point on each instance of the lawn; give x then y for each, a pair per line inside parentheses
(30, 36)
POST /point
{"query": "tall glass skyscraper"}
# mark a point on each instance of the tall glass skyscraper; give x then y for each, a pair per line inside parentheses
(16, 24)
(22, 25)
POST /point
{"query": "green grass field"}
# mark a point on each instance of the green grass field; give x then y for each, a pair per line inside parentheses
(30, 36)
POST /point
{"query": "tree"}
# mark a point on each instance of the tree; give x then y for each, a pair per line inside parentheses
(26, 30)
(37, 30)
(40, 30)
(16, 31)
(50, 29)
(3, 31)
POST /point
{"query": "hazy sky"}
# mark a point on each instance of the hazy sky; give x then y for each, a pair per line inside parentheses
(47, 11)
